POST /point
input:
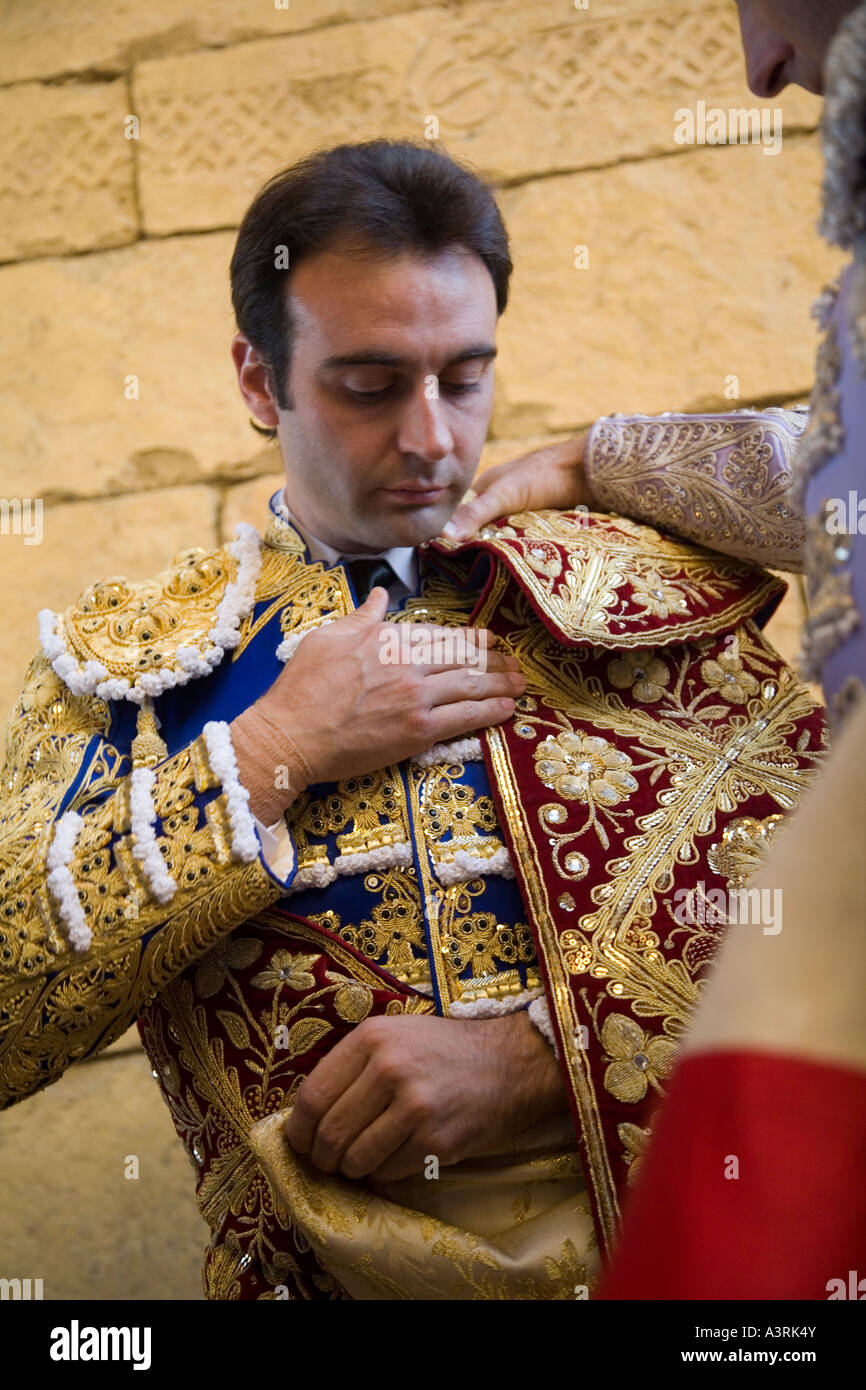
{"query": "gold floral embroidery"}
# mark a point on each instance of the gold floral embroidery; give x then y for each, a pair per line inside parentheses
(392, 931)
(585, 768)
(479, 940)
(651, 592)
(452, 806)
(642, 673)
(729, 678)
(213, 1111)
(706, 758)
(58, 1005)
(372, 805)
(463, 936)
(742, 848)
(222, 1270)
(635, 1142)
(638, 1059)
(621, 581)
(287, 969)
(233, 953)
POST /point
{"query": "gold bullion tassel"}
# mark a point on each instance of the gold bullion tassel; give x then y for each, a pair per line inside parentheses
(148, 748)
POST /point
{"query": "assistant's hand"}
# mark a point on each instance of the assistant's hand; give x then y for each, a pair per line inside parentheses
(400, 1088)
(549, 477)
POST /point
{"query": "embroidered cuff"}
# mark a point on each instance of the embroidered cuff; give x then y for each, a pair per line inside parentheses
(494, 1008)
(723, 480)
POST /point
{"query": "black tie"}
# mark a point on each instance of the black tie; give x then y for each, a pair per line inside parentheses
(366, 574)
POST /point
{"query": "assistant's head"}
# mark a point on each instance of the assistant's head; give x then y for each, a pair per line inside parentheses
(367, 281)
(787, 41)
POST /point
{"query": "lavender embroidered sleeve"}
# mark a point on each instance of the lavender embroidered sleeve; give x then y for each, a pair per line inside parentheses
(94, 917)
(724, 481)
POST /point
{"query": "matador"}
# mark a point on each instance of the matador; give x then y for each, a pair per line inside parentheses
(519, 878)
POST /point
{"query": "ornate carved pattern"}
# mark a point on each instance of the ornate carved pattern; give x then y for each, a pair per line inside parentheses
(209, 148)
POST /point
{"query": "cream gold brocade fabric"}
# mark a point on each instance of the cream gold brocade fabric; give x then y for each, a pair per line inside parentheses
(726, 481)
(514, 1226)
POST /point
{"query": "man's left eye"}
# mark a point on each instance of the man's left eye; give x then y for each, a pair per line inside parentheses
(459, 388)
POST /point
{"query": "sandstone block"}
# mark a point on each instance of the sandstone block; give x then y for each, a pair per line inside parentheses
(80, 1225)
(44, 39)
(249, 501)
(66, 169)
(117, 374)
(215, 125)
(518, 89)
(698, 283)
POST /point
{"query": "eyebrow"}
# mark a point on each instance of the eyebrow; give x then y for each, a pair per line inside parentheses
(377, 358)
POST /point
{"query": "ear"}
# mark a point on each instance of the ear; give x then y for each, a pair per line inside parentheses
(254, 382)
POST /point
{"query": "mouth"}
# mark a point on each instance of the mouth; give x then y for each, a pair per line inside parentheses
(417, 496)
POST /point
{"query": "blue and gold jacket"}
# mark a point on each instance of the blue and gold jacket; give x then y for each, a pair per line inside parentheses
(660, 738)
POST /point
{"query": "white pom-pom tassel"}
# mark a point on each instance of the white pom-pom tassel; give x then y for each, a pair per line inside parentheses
(61, 883)
(465, 866)
(539, 1014)
(289, 645)
(145, 847)
(460, 750)
(221, 756)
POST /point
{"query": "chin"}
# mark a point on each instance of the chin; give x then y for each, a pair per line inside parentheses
(413, 527)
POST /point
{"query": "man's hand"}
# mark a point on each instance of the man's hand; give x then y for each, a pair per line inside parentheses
(549, 477)
(398, 1089)
(350, 710)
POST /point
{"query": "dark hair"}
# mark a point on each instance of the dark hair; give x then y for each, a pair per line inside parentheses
(389, 195)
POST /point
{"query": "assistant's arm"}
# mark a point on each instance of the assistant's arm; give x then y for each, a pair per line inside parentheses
(724, 481)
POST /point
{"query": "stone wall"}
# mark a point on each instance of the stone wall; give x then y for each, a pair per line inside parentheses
(120, 410)
(133, 137)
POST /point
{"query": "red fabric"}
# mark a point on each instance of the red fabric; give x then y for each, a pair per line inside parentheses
(620, 965)
(615, 560)
(793, 1220)
(219, 1071)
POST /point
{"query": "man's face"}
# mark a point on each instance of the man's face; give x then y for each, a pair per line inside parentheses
(391, 388)
(787, 41)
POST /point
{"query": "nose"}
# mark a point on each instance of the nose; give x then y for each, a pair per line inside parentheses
(423, 428)
(767, 58)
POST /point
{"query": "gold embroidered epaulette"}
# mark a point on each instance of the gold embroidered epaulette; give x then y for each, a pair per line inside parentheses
(613, 583)
(132, 641)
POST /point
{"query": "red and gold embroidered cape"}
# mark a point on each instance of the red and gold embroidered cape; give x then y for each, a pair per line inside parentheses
(659, 741)
(659, 744)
